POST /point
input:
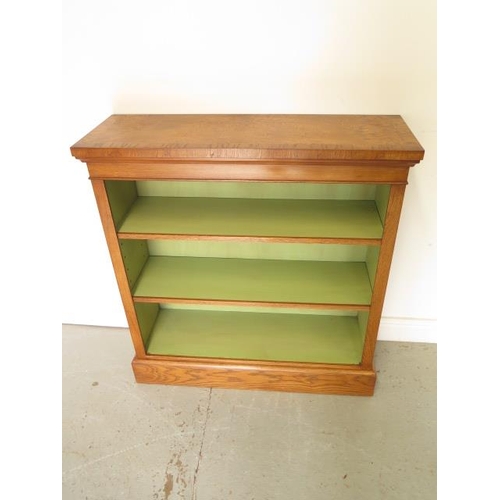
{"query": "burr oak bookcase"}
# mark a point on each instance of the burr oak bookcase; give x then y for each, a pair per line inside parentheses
(252, 251)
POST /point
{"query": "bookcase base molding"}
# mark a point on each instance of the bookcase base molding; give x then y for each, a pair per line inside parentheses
(252, 251)
(325, 380)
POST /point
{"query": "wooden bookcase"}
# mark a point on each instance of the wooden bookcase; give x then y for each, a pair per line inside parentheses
(252, 251)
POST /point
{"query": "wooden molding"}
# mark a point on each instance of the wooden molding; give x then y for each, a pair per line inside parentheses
(245, 376)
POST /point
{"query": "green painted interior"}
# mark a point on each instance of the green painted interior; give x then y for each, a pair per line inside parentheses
(258, 336)
(135, 254)
(372, 254)
(146, 315)
(254, 217)
(121, 196)
(255, 280)
(251, 250)
(273, 190)
(382, 199)
(251, 271)
(362, 323)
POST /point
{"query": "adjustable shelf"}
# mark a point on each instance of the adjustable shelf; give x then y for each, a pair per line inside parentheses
(252, 251)
(253, 281)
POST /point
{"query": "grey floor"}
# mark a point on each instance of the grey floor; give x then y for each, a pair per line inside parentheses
(122, 440)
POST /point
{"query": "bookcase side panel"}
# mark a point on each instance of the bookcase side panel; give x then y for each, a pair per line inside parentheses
(382, 274)
(118, 265)
(121, 196)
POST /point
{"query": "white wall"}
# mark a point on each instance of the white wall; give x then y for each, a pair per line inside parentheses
(289, 56)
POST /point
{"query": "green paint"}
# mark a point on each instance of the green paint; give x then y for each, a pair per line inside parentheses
(254, 217)
(134, 254)
(259, 336)
(372, 254)
(273, 190)
(382, 199)
(255, 280)
(247, 250)
(362, 323)
(146, 315)
(121, 196)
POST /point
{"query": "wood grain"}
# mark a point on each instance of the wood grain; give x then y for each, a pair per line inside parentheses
(246, 238)
(195, 360)
(249, 303)
(382, 274)
(251, 137)
(383, 173)
(307, 379)
(118, 265)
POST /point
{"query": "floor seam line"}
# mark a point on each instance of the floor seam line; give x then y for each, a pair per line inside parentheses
(195, 476)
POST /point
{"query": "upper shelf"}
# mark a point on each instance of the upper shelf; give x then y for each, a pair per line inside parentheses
(254, 138)
(257, 219)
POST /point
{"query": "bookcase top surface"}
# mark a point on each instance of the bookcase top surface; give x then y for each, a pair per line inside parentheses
(250, 137)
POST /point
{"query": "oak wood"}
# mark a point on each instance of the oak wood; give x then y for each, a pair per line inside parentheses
(118, 265)
(246, 238)
(330, 172)
(249, 303)
(251, 137)
(254, 363)
(382, 274)
(306, 378)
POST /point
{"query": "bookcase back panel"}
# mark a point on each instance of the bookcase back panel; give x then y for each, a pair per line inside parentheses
(270, 190)
(246, 250)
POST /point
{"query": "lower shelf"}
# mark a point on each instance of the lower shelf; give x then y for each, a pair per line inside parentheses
(308, 338)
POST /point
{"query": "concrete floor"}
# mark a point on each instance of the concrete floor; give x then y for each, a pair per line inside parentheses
(122, 440)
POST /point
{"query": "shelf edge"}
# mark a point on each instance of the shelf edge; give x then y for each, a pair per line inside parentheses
(248, 303)
(263, 239)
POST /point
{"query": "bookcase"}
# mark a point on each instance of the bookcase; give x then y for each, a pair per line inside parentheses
(252, 251)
